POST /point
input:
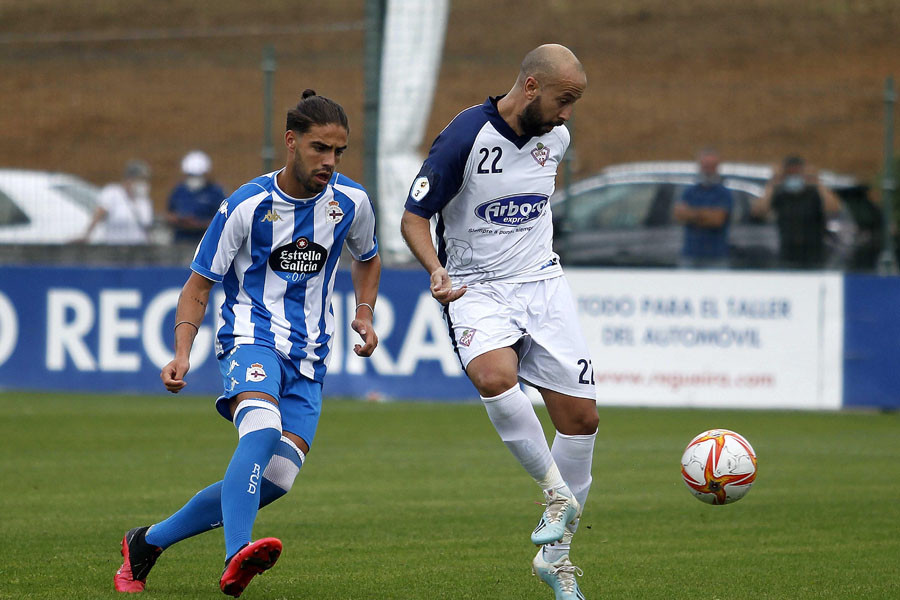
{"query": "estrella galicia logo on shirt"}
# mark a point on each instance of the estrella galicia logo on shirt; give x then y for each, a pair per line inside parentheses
(512, 211)
(299, 260)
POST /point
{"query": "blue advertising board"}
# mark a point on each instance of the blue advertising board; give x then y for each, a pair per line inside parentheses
(871, 341)
(110, 330)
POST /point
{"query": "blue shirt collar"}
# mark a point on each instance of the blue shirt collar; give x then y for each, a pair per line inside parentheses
(500, 124)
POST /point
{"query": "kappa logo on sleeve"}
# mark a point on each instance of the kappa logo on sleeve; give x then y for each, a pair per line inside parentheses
(223, 208)
(255, 373)
(420, 188)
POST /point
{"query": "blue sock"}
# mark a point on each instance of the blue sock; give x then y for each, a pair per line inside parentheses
(259, 427)
(202, 513)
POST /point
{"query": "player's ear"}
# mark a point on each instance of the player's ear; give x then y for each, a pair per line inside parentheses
(531, 87)
(291, 139)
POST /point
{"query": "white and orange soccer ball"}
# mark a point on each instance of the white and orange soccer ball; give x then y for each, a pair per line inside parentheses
(719, 466)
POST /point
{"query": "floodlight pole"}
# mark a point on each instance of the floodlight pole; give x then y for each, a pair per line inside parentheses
(268, 69)
(887, 261)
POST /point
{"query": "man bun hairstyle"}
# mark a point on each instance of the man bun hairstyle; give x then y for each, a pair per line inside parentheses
(315, 110)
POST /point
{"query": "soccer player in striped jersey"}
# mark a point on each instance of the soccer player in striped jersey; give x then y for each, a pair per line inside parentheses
(487, 183)
(274, 245)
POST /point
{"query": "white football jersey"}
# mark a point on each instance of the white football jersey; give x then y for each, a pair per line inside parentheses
(489, 191)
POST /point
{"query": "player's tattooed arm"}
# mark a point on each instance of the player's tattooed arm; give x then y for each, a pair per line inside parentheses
(188, 316)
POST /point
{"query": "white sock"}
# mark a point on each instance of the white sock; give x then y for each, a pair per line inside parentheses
(519, 428)
(573, 455)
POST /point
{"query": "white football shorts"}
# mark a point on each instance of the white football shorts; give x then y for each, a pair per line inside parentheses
(538, 318)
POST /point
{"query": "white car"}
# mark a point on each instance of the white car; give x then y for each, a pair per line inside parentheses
(40, 207)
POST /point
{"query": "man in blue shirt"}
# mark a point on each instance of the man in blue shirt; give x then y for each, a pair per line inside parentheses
(705, 210)
(195, 200)
(274, 245)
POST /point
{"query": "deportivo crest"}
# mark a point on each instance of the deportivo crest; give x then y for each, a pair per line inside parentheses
(419, 189)
(512, 211)
(255, 373)
(466, 338)
(334, 214)
(541, 153)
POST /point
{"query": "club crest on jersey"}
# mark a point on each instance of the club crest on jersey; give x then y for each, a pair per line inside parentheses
(512, 211)
(255, 373)
(541, 153)
(467, 336)
(333, 213)
(298, 261)
(419, 189)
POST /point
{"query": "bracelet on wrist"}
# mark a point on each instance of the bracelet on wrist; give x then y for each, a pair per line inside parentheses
(188, 323)
(367, 305)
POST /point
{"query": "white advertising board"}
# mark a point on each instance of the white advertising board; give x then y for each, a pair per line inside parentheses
(713, 338)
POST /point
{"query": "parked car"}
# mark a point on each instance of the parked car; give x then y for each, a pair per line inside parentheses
(623, 217)
(40, 207)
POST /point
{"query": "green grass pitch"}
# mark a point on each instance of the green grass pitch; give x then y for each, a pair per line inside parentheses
(422, 501)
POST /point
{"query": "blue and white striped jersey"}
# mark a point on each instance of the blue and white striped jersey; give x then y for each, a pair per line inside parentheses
(489, 189)
(277, 258)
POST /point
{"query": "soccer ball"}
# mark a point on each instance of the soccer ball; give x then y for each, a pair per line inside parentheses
(719, 466)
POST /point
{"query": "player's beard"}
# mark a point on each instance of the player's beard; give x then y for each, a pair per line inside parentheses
(307, 179)
(532, 122)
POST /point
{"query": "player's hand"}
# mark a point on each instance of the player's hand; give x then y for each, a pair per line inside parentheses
(442, 288)
(172, 374)
(365, 330)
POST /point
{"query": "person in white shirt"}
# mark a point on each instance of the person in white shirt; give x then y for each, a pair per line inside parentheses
(486, 184)
(124, 212)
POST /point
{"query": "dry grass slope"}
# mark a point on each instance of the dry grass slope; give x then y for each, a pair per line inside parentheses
(759, 80)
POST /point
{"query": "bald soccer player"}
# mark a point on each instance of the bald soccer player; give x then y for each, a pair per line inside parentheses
(486, 184)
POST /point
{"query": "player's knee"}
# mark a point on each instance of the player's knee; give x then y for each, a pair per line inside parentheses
(589, 422)
(254, 415)
(493, 383)
(581, 422)
(284, 464)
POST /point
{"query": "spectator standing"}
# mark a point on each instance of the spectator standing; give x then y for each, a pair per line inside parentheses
(124, 212)
(705, 211)
(801, 204)
(195, 200)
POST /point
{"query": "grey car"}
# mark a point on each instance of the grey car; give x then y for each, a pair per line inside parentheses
(623, 217)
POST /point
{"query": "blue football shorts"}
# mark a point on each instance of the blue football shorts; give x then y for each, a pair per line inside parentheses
(260, 369)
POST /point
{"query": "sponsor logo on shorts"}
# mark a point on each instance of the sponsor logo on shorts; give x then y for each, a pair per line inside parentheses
(466, 338)
(419, 189)
(334, 214)
(540, 154)
(255, 373)
(231, 367)
(512, 211)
